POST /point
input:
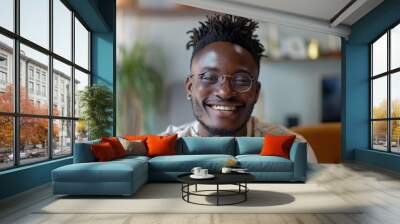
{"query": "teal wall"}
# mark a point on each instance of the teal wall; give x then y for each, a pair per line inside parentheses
(355, 86)
(24, 178)
(104, 52)
(380, 159)
(103, 65)
(100, 17)
(355, 98)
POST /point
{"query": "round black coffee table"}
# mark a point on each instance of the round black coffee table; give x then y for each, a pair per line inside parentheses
(238, 179)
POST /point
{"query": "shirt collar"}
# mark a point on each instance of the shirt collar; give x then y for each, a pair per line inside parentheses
(249, 127)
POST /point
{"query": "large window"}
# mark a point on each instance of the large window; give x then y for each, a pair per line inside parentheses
(44, 64)
(385, 91)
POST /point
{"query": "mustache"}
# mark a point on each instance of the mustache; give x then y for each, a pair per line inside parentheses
(229, 102)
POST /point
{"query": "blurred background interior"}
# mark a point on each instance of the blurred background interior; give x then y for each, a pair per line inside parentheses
(300, 78)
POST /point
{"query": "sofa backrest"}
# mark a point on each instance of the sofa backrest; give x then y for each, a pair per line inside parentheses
(83, 152)
(253, 145)
(206, 145)
(249, 145)
(192, 146)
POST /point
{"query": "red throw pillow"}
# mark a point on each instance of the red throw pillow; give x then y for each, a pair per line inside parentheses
(161, 145)
(103, 151)
(116, 145)
(277, 145)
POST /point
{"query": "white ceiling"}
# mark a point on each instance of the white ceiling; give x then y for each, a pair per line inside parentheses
(314, 15)
(321, 9)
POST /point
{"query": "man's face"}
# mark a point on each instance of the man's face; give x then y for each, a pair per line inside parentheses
(220, 108)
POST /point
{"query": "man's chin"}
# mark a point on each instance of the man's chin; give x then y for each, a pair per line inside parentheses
(217, 124)
(216, 130)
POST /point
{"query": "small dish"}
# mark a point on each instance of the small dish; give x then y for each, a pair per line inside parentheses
(208, 176)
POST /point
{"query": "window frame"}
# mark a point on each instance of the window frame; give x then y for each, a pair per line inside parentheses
(3, 70)
(388, 74)
(16, 115)
(3, 74)
(5, 59)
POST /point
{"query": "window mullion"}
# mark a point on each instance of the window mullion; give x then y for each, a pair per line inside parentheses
(73, 82)
(50, 81)
(389, 76)
(371, 137)
(16, 84)
(89, 54)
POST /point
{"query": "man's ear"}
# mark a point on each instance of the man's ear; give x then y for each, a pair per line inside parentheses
(188, 84)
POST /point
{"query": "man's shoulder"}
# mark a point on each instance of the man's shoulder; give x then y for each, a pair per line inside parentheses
(187, 129)
(262, 128)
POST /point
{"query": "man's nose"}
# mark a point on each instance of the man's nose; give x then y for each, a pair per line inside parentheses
(224, 89)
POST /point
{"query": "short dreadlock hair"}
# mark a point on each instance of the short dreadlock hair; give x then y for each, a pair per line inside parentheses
(225, 27)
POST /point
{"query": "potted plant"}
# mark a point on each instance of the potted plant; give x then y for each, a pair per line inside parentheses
(140, 87)
(96, 102)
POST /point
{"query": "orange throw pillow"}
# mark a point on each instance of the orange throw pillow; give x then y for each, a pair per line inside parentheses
(161, 145)
(103, 151)
(116, 145)
(277, 145)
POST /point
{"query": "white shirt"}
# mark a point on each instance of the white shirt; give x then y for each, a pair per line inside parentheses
(255, 128)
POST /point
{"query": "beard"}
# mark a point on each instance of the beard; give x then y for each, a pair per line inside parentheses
(214, 131)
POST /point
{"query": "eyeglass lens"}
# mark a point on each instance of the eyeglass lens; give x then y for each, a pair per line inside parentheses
(240, 82)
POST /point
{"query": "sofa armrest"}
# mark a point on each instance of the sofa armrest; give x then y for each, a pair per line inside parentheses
(298, 155)
(83, 152)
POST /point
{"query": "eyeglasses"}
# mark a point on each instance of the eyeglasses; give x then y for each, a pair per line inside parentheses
(240, 82)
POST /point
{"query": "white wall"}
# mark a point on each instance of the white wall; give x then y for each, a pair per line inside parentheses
(167, 32)
(288, 87)
(295, 88)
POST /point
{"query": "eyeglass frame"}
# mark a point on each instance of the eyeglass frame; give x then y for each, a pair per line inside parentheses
(229, 76)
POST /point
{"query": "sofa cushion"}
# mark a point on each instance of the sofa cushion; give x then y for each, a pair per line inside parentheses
(249, 145)
(132, 158)
(111, 171)
(134, 147)
(103, 152)
(277, 145)
(185, 163)
(161, 145)
(116, 145)
(206, 145)
(257, 163)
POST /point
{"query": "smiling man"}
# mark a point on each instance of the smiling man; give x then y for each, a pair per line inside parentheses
(223, 86)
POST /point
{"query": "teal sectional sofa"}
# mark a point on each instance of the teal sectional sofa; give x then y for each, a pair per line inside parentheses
(125, 176)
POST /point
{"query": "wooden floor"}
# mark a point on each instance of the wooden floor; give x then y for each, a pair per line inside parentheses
(351, 181)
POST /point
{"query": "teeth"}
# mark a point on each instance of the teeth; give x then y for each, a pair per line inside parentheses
(225, 108)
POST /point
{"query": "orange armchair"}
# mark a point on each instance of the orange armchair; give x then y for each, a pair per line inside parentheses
(325, 140)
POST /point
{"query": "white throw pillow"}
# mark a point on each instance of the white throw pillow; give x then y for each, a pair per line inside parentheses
(136, 147)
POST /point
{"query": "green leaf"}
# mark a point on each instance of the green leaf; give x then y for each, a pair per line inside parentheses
(97, 104)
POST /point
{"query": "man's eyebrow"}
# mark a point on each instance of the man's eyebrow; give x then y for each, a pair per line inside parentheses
(215, 69)
(208, 68)
(243, 70)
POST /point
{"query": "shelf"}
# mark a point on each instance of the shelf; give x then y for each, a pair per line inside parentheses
(331, 56)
